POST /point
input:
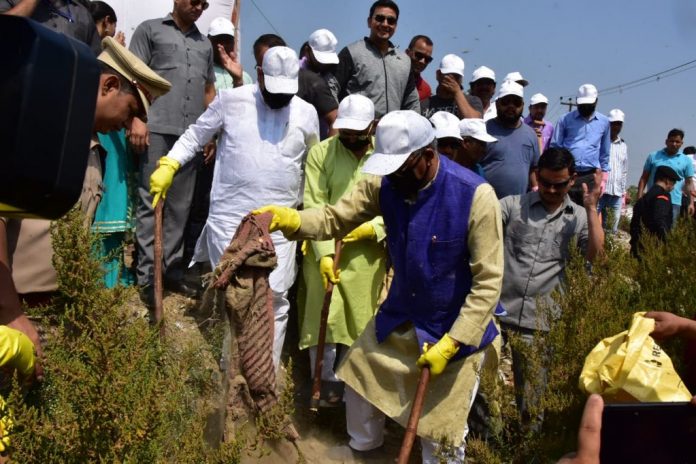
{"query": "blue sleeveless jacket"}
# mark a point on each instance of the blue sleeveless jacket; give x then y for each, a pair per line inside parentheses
(428, 246)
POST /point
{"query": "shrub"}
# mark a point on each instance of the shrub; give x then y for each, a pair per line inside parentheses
(596, 305)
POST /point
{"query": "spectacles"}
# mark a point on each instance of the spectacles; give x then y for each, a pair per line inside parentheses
(391, 20)
(451, 144)
(203, 4)
(409, 164)
(422, 57)
(558, 185)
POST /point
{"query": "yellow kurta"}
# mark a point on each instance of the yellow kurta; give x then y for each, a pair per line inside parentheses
(385, 373)
(332, 170)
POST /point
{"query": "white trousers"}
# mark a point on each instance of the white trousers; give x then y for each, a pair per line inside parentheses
(327, 369)
(281, 307)
(365, 424)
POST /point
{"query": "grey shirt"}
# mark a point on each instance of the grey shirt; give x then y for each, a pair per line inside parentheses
(185, 60)
(65, 16)
(536, 249)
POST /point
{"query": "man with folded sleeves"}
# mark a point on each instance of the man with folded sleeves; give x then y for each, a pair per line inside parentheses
(538, 105)
(449, 95)
(445, 244)
(266, 132)
(586, 133)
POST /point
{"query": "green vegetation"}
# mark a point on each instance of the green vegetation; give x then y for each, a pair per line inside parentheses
(596, 304)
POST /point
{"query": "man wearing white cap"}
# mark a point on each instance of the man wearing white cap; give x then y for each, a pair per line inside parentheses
(509, 163)
(447, 133)
(318, 54)
(516, 76)
(475, 139)
(482, 85)
(333, 167)
(228, 69)
(612, 200)
(449, 95)
(445, 246)
(266, 131)
(538, 105)
(585, 132)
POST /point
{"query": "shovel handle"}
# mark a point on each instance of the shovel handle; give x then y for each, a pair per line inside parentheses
(321, 342)
(416, 410)
(159, 307)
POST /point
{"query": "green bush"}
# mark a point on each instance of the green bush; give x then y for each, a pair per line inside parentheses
(113, 392)
(596, 304)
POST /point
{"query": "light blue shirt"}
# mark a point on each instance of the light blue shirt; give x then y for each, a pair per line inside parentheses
(588, 141)
(681, 164)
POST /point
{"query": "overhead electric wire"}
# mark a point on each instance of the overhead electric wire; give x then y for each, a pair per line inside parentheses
(265, 17)
(647, 79)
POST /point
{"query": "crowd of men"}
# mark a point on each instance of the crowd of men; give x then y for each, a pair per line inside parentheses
(456, 212)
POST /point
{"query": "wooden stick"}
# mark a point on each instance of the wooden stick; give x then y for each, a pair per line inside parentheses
(159, 307)
(319, 362)
(416, 410)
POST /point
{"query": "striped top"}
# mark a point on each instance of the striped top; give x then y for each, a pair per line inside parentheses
(618, 165)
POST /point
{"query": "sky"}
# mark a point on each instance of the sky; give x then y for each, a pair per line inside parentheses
(556, 45)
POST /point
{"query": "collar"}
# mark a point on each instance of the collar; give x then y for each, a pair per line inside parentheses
(534, 198)
(370, 44)
(618, 140)
(579, 116)
(169, 19)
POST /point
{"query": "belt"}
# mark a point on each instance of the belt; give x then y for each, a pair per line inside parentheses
(584, 172)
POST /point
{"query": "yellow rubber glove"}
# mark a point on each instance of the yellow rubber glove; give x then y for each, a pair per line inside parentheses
(286, 220)
(162, 178)
(364, 231)
(326, 269)
(439, 355)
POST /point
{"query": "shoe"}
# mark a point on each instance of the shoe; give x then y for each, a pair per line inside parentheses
(147, 296)
(182, 288)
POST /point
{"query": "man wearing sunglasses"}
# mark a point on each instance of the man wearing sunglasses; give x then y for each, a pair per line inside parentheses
(449, 95)
(444, 239)
(175, 48)
(539, 228)
(420, 50)
(374, 67)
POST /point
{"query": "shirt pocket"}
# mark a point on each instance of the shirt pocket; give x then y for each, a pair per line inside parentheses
(199, 53)
(164, 56)
(523, 239)
(444, 255)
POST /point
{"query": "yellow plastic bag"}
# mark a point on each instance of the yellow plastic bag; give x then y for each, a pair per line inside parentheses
(631, 367)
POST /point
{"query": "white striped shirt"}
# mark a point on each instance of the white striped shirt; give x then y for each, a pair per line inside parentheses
(618, 163)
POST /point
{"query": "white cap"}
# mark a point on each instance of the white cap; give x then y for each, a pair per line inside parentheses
(538, 98)
(323, 44)
(399, 134)
(475, 128)
(482, 72)
(355, 112)
(587, 94)
(616, 115)
(220, 26)
(452, 64)
(517, 77)
(510, 88)
(280, 68)
(446, 125)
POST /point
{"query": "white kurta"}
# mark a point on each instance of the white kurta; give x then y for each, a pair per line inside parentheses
(260, 159)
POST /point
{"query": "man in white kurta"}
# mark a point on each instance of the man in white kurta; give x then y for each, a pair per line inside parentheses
(265, 134)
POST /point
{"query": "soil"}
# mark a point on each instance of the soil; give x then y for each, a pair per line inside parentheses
(323, 437)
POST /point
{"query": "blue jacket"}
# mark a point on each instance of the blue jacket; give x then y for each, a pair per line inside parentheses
(428, 246)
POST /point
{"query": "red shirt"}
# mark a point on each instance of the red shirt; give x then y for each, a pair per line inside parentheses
(423, 88)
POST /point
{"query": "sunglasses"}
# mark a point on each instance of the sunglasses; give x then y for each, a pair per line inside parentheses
(391, 20)
(422, 57)
(203, 4)
(558, 185)
(451, 144)
(408, 165)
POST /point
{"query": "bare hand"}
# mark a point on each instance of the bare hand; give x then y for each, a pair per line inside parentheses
(589, 435)
(450, 84)
(139, 136)
(209, 152)
(120, 37)
(667, 325)
(231, 63)
(590, 198)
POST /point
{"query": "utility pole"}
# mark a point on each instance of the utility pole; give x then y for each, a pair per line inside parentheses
(570, 103)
